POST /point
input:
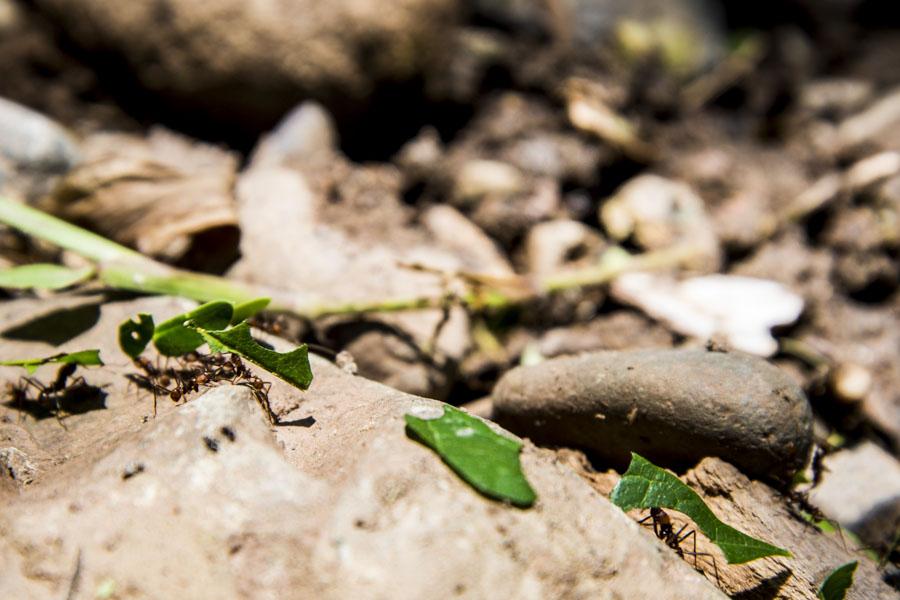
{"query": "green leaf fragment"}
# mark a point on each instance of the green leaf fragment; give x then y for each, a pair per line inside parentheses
(134, 335)
(838, 582)
(292, 366)
(245, 310)
(644, 485)
(174, 338)
(45, 276)
(486, 460)
(85, 358)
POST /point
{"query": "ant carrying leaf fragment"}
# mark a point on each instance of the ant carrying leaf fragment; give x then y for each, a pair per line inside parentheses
(222, 326)
(50, 396)
(644, 485)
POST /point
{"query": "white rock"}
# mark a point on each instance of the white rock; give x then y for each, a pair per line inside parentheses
(743, 309)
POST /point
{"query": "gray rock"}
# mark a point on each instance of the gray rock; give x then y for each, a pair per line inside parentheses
(33, 142)
(672, 406)
(306, 133)
(860, 489)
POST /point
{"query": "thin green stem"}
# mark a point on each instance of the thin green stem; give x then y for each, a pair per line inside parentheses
(63, 234)
(123, 268)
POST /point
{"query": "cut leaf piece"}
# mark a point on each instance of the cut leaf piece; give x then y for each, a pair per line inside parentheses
(486, 460)
(644, 485)
(291, 366)
(134, 335)
(245, 310)
(838, 582)
(85, 358)
(45, 276)
(173, 338)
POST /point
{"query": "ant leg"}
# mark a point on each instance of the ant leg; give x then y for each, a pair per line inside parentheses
(644, 520)
(692, 532)
(712, 558)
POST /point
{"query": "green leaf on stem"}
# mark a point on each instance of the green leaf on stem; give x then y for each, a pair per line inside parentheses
(85, 358)
(484, 459)
(173, 338)
(644, 485)
(45, 276)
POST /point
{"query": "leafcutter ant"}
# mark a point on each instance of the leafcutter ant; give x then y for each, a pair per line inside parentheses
(664, 530)
(49, 396)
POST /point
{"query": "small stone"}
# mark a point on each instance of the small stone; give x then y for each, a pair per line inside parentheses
(305, 133)
(673, 406)
(479, 178)
(34, 142)
(16, 464)
(554, 245)
(860, 489)
(850, 382)
(657, 213)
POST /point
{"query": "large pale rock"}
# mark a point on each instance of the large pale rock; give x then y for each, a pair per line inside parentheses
(204, 501)
(673, 406)
(256, 59)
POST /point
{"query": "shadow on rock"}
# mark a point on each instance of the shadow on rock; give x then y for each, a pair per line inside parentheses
(76, 400)
(56, 327)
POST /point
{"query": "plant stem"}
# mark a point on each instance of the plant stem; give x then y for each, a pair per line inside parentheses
(123, 268)
(65, 235)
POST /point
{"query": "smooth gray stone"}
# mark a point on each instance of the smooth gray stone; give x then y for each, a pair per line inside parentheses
(33, 142)
(671, 406)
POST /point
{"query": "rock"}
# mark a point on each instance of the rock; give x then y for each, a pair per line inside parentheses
(163, 194)
(34, 142)
(743, 310)
(877, 124)
(672, 406)
(452, 229)
(198, 508)
(237, 61)
(307, 133)
(338, 503)
(860, 489)
(757, 510)
(356, 263)
(834, 96)
(659, 213)
(479, 178)
(553, 246)
(16, 465)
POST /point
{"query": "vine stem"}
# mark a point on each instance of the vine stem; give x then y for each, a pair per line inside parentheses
(123, 268)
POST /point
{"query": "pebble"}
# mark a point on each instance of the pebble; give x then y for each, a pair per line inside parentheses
(672, 406)
(860, 489)
(33, 142)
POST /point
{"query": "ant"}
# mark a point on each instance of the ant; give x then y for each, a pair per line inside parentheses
(664, 530)
(53, 392)
(155, 379)
(200, 371)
